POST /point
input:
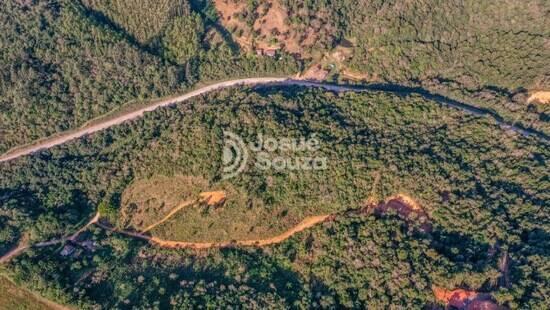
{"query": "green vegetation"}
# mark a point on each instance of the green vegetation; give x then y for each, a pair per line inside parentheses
(483, 52)
(484, 189)
(67, 64)
(145, 202)
(143, 21)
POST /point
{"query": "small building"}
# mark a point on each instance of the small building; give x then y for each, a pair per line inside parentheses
(88, 245)
(272, 52)
(67, 250)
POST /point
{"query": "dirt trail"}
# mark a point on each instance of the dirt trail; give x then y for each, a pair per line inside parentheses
(83, 228)
(219, 196)
(210, 198)
(306, 223)
(71, 135)
(504, 268)
(170, 214)
(23, 245)
(213, 198)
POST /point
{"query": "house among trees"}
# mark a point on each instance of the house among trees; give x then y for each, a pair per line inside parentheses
(271, 52)
(67, 250)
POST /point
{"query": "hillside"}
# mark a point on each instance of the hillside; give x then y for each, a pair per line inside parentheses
(64, 64)
(381, 154)
(67, 62)
(473, 179)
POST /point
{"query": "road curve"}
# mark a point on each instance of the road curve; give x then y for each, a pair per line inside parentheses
(78, 133)
(169, 244)
(275, 81)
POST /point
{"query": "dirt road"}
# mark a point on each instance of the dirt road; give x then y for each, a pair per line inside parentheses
(265, 81)
(306, 223)
(78, 133)
(171, 213)
(23, 245)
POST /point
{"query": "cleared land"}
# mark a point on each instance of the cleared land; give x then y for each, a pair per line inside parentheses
(403, 204)
(147, 201)
(243, 216)
(269, 31)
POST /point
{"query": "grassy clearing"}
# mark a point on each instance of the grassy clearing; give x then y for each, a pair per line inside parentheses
(147, 201)
(249, 215)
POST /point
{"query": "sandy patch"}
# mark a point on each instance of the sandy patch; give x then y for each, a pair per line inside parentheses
(314, 73)
(409, 201)
(228, 10)
(213, 198)
(407, 208)
(272, 30)
(539, 97)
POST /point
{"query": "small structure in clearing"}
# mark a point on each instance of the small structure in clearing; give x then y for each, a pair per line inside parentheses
(67, 250)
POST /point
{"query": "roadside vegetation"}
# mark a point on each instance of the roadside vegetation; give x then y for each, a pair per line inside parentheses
(72, 61)
(65, 63)
(487, 53)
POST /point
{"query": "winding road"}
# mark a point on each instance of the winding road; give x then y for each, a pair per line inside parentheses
(263, 81)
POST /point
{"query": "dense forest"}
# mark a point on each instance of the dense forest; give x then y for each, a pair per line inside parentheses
(489, 53)
(485, 190)
(64, 64)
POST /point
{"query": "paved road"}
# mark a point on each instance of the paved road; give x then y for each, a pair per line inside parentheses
(267, 81)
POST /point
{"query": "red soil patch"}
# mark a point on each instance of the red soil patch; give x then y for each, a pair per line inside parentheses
(463, 299)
